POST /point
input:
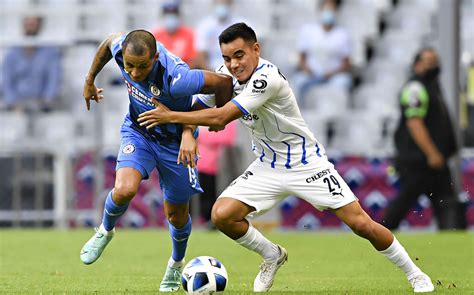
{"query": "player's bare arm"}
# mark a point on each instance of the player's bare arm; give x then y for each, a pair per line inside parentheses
(101, 58)
(220, 85)
(207, 117)
(188, 150)
(422, 138)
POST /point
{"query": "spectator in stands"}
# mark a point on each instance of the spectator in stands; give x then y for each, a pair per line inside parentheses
(174, 35)
(32, 73)
(207, 33)
(324, 53)
(211, 146)
(425, 140)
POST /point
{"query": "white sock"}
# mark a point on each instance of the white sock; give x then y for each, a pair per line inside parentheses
(175, 264)
(399, 256)
(255, 241)
(103, 230)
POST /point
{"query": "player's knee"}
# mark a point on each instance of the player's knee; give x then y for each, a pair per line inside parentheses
(124, 193)
(178, 218)
(220, 217)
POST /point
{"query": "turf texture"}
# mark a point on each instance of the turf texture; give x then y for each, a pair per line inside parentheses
(47, 262)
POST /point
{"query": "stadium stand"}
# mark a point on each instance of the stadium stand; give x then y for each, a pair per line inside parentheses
(385, 34)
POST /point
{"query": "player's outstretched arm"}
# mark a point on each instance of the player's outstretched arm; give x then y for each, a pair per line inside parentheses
(207, 117)
(220, 85)
(101, 58)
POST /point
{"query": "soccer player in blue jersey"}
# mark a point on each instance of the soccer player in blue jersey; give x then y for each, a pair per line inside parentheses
(151, 72)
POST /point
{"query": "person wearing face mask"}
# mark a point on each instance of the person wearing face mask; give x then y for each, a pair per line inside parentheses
(424, 141)
(178, 38)
(31, 74)
(324, 54)
(207, 32)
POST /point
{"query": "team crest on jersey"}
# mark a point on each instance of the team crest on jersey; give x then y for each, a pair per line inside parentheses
(128, 149)
(155, 90)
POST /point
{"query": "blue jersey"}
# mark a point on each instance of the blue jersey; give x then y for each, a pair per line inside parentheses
(171, 82)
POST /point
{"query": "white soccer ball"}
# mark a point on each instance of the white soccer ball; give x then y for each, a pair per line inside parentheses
(204, 275)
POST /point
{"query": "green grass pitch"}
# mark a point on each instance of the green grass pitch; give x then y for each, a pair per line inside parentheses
(47, 262)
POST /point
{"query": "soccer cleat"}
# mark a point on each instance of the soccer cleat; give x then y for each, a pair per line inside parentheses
(94, 247)
(421, 283)
(171, 280)
(268, 269)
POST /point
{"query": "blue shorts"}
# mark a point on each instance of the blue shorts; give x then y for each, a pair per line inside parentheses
(177, 182)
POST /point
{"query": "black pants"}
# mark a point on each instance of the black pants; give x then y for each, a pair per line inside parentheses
(437, 185)
(209, 196)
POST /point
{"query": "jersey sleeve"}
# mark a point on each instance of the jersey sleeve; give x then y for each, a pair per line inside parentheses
(185, 82)
(414, 100)
(116, 45)
(258, 91)
(206, 100)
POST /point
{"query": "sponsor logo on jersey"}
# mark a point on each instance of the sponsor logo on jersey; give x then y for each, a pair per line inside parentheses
(250, 117)
(259, 86)
(128, 149)
(317, 176)
(246, 174)
(155, 90)
(138, 95)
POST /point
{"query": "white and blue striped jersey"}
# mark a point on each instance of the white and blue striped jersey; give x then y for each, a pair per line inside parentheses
(280, 136)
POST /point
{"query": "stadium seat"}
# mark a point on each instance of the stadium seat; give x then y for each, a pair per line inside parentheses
(318, 124)
(13, 129)
(364, 133)
(360, 17)
(111, 122)
(327, 100)
(398, 46)
(55, 130)
(376, 98)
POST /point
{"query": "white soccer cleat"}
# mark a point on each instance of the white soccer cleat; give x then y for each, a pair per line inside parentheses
(421, 283)
(171, 280)
(268, 269)
(96, 245)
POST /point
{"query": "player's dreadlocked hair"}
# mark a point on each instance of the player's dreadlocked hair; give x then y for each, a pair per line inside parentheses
(238, 30)
(140, 41)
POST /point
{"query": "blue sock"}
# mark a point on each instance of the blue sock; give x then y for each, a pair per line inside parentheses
(179, 239)
(112, 212)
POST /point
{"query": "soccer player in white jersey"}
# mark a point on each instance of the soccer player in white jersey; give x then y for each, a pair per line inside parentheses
(290, 161)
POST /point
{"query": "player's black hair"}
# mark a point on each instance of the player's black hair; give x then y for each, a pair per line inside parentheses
(238, 30)
(420, 52)
(140, 41)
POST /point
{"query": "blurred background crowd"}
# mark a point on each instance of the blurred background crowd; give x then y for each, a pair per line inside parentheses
(346, 61)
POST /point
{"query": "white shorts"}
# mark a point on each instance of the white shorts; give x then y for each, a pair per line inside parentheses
(263, 187)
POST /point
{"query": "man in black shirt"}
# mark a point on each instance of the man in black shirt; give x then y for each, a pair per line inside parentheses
(424, 142)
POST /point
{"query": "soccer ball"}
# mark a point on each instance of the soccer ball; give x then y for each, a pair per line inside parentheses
(204, 275)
